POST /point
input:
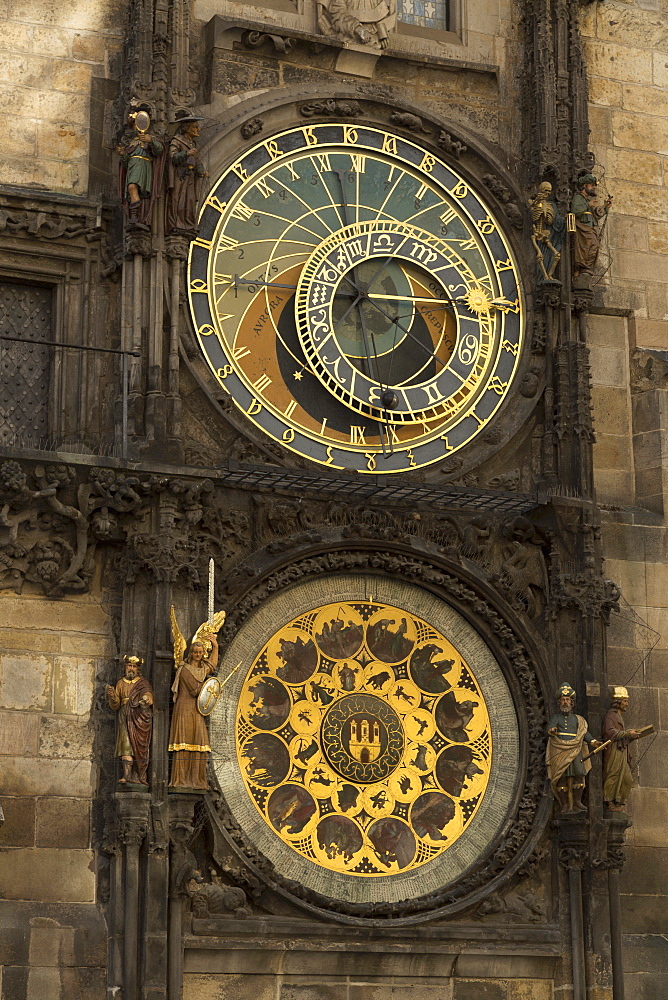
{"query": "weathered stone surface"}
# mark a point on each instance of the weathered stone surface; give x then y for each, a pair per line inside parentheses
(32, 776)
(19, 732)
(479, 989)
(638, 199)
(652, 334)
(19, 921)
(196, 987)
(28, 639)
(48, 875)
(60, 616)
(648, 808)
(73, 685)
(618, 62)
(645, 871)
(608, 331)
(609, 366)
(25, 682)
(611, 410)
(18, 830)
(639, 265)
(653, 763)
(63, 822)
(529, 989)
(313, 991)
(645, 986)
(625, 231)
(646, 951)
(605, 92)
(643, 914)
(65, 738)
(398, 991)
(645, 167)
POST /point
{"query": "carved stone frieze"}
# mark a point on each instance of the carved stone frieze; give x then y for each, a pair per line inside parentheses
(505, 196)
(522, 905)
(252, 127)
(45, 225)
(341, 109)
(50, 523)
(411, 122)
(649, 370)
(53, 518)
(574, 858)
(450, 145)
(587, 592)
(355, 22)
(254, 39)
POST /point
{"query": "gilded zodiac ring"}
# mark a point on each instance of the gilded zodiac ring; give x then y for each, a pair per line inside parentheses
(418, 271)
(363, 738)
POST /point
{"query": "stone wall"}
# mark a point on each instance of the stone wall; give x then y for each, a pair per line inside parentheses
(626, 47)
(208, 987)
(52, 935)
(627, 54)
(50, 56)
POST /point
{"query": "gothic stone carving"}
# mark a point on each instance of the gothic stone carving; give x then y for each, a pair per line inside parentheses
(356, 23)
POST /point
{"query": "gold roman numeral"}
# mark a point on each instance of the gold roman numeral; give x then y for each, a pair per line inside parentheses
(262, 383)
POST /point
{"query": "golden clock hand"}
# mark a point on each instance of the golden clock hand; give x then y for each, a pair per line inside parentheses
(410, 298)
(250, 284)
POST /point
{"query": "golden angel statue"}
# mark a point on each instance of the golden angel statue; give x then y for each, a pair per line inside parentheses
(188, 735)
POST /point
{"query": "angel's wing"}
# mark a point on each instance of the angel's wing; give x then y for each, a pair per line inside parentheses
(206, 629)
(177, 638)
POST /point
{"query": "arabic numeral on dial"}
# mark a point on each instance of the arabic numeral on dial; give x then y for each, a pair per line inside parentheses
(468, 349)
(206, 330)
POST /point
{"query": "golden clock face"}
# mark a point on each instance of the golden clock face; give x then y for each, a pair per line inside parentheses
(356, 298)
(363, 738)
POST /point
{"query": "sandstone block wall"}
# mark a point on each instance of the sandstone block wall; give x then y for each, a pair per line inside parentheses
(198, 987)
(49, 55)
(626, 48)
(52, 935)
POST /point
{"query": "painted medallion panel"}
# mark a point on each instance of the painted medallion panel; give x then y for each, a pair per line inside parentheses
(371, 738)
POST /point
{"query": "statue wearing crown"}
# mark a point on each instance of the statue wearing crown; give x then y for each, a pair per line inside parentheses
(195, 692)
(132, 699)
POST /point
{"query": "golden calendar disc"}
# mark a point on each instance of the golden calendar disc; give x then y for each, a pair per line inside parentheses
(363, 738)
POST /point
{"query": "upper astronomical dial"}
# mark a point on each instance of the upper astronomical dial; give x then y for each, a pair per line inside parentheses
(355, 298)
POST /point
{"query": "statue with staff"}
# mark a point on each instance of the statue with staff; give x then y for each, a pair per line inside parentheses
(567, 764)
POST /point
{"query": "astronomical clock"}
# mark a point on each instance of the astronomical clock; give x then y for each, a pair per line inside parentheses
(358, 301)
(356, 298)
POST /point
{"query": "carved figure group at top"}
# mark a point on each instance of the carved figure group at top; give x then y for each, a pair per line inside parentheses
(143, 156)
(361, 22)
(587, 236)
